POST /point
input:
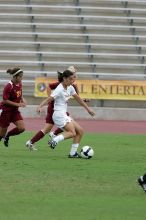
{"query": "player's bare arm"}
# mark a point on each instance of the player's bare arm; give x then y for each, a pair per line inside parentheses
(48, 91)
(81, 102)
(44, 102)
(8, 102)
(23, 101)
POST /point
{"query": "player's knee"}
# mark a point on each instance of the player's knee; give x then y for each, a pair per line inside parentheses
(73, 133)
(21, 129)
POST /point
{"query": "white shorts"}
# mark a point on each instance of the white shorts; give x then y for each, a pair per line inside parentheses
(61, 119)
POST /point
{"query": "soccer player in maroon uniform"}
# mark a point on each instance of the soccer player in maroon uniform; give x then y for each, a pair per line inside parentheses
(12, 100)
(49, 121)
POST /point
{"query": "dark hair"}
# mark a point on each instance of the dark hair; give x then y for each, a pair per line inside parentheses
(13, 71)
(65, 74)
(60, 75)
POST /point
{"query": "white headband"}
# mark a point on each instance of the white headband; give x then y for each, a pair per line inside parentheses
(18, 71)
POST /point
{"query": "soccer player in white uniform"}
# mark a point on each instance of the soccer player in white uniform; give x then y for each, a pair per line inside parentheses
(61, 95)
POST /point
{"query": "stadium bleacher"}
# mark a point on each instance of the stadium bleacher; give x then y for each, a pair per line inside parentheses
(104, 39)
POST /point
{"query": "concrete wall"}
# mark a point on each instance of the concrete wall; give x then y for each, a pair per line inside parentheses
(102, 113)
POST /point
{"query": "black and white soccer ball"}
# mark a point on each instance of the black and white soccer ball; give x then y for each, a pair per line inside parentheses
(87, 152)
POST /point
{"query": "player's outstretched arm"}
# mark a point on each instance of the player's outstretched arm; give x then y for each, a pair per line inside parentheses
(81, 102)
(44, 102)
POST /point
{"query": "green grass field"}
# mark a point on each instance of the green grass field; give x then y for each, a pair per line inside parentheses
(45, 184)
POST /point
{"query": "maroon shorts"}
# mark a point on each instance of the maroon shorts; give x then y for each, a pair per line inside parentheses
(49, 119)
(7, 117)
(50, 111)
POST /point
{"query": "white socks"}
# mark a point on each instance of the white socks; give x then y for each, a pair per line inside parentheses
(141, 177)
(58, 138)
(73, 149)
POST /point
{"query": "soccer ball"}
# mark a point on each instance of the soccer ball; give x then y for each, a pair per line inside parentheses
(87, 152)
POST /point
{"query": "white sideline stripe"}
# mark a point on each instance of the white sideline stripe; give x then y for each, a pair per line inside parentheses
(72, 34)
(71, 43)
(72, 63)
(71, 7)
(73, 25)
(71, 53)
(73, 16)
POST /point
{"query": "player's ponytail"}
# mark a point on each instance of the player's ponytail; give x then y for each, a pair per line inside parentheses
(60, 76)
(15, 71)
(9, 71)
(65, 74)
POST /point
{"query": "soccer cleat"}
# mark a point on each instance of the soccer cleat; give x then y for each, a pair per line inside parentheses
(6, 141)
(52, 144)
(76, 155)
(30, 146)
(52, 135)
(142, 183)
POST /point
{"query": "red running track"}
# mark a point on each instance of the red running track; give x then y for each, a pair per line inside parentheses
(95, 126)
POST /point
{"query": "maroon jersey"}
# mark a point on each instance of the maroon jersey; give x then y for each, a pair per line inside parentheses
(53, 86)
(13, 93)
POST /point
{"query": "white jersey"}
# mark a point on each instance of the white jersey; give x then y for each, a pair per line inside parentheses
(61, 97)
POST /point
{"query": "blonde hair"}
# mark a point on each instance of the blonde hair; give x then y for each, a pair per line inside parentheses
(72, 69)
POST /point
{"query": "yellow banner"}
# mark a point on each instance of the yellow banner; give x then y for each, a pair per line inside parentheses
(100, 89)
